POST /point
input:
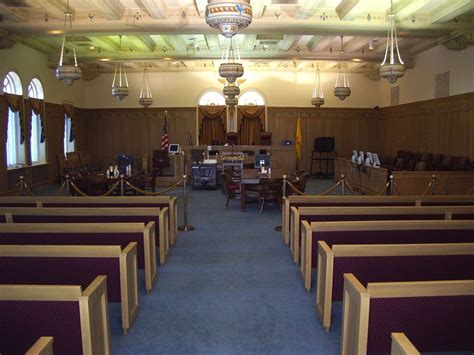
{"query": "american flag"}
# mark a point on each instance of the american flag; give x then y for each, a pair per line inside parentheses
(164, 135)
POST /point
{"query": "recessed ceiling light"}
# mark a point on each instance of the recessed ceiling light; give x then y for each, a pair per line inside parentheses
(105, 59)
(167, 58)
(357, 60)
(55, 32)
(91, 47)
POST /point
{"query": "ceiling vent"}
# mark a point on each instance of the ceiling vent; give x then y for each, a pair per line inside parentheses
(442, 84)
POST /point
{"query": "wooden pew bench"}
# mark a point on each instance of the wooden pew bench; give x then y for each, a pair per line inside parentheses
(96, 215)
(320, 214)
(102, 201)
(435, 315)
(348, 201)
(43, 346)
(120, 234)
(401, 345)
(388, 263)
(377, 232)
(77, 319)
(76, 265)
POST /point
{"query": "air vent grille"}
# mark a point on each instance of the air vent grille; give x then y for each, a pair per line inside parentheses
(442, 84)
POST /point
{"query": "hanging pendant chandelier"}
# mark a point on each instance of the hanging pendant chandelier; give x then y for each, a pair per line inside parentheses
(392, 66)
(342, 88)
(67, 73)
(120, 83)
(146, 98)
(230, 69)
(228, 16)
(231, 90)
(317, 99)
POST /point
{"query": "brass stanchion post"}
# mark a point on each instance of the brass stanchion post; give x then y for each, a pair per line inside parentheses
(343, 184)
(283, 192)
(433, 184)
(186, 227)
(390, 185)
(68, 185)
(122, 186)
(21, 184)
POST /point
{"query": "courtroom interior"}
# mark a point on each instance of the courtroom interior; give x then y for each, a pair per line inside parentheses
(236, 177)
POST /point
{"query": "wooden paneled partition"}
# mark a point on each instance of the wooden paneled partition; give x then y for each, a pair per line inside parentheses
(439, 126)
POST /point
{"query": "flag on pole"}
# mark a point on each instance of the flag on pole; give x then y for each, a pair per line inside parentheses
(164, 135)
(299, 139)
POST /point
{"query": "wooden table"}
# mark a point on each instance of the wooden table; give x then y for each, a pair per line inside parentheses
(98, 184)
(252, 177)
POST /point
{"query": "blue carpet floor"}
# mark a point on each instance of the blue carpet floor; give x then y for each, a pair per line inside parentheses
(229, 287)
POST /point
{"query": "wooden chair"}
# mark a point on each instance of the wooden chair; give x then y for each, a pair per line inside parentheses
(231, 187)
(270, 191)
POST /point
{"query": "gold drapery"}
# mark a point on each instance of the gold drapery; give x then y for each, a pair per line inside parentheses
(250, 120)
(37, 106)
(212, 123)
(15, 104)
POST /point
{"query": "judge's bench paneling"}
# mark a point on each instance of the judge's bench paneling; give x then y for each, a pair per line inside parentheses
(135, 131)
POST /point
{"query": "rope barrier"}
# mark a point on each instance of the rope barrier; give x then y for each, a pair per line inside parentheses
(350, 188)
(114, 186)
(137, 189)
(15, 188)
(427, 189)
(384, 190)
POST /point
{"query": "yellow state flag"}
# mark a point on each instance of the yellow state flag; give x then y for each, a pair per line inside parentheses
(299, 139)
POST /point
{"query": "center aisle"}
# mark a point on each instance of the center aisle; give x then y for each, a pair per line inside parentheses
(229, 287)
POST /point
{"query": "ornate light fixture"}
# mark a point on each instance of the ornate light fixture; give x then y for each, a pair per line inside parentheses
(392, 66)
(120, 83)
(342, 88)
(318, 96)
(67, 73)
(231, 101)
(231, 90)
(228, 15)
(146, 98)
(230, 69)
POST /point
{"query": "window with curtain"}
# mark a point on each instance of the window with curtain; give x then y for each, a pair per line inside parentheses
(251, 98)
(38, 141)
(212, 98)
(68, 135)
(15, 148)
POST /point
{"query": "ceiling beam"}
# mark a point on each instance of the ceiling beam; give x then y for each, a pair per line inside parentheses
(157, 9)
(349, 9)
(260, 8)
(451, 10)
(323, 44)
(314, 42)
(111, 9)
(144, 42)
(15, 14)
(408, 7)
(212, 42)
(176, 42)
(250, 40)
(106, 43)
(307, 8)
(287, 42)
(356, 44)
(200, 6)
(54, 8)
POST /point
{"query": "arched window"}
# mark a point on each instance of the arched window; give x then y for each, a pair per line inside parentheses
(37, 142)
(14, 147)
(212, 98)
(35, 89)
(250, 98)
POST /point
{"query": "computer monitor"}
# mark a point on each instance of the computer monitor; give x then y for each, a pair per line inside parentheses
(124, 160)
(262, 160)
(174, 149)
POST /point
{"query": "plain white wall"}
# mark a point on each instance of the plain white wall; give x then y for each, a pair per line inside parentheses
(183, 89)
(418, 84)
(28, 64)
